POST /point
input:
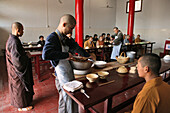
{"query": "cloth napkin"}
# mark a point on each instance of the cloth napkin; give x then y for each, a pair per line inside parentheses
(73, 85)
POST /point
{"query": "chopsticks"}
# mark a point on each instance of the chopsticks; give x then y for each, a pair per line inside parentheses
(106, 83)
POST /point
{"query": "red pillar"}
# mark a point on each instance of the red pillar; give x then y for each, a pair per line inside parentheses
(131, 19)
(79, 20)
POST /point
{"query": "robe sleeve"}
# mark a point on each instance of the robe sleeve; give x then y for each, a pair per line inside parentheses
(18, 56)
(86, 43)
(76, 48)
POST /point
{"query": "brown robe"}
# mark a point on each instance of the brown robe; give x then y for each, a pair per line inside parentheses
(19, 73)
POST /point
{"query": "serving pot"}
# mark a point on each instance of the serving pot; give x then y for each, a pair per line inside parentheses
(81, 64)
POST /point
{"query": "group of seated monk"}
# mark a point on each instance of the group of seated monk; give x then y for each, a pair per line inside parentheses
(102, 40)
(134, 40)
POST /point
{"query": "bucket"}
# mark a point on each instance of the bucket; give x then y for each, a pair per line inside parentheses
(131, 55)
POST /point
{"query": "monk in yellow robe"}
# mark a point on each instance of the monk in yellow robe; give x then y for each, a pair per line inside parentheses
(155, 95)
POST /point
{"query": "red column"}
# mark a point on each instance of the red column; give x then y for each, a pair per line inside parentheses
(79, 20)
(131, 19)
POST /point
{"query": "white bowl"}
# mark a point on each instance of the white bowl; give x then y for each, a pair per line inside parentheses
(30, 46)
(92, 77)
(167, 57)
(39, 45)
(81, 72)
(100, 64)
(86, 47)
(103, 74)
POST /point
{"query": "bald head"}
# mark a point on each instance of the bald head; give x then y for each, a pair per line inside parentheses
(17, 29)
(67, 24)
(69, 19)
(16, 25)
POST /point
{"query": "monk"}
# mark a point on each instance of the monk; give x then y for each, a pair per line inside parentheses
(57, 49)
(154, 97)
(19, 70)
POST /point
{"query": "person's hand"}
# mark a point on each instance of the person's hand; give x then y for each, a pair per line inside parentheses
(70, 56)
(28, 54)
(92, 57)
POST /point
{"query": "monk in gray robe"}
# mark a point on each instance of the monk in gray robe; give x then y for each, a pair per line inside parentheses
(19, 70)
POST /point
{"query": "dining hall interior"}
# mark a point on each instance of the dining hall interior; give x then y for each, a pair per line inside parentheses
(149, 19)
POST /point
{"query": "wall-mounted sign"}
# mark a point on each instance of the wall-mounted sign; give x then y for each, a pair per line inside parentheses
(138, 6)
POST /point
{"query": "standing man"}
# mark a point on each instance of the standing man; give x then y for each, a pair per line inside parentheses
(155, 95)
(117, 42)
(19, 70)
(56, 50)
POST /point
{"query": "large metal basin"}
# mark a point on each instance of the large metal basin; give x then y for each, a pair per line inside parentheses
(81, 65)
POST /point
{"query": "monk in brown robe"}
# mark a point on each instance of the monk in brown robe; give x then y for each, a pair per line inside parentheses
(19, 70)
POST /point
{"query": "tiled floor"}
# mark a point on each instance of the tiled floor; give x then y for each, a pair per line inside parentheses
(46, 96)
(45, 99)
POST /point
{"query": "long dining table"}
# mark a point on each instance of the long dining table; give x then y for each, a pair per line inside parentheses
(105, 93)
(101, 51)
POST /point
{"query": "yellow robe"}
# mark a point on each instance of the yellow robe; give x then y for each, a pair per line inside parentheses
(88, 44)
(153, 98)
(137, 40)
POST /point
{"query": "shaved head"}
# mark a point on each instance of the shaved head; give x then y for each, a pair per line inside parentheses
(16, 25)
(17, 29)
(67, 24)
(69, 19)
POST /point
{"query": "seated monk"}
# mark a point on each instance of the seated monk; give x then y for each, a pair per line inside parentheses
(89, 43)
(137, 39)
(100, 42)
(154, 97)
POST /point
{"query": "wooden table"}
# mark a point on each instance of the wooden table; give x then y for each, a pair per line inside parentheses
(36, 57)
(100, 51)
(105, 93)
(148, 46)
(37, 61)
(33, 48)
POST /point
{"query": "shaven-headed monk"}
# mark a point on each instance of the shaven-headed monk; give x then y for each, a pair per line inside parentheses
(19, 70)
(155, 95)
(56, 49)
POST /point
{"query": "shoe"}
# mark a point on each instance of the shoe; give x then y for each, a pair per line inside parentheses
(25, 109)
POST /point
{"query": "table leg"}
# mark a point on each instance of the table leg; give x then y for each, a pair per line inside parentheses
(151, 47)
(107, 105)
(35, 66)
(81, 110)
(38, 67)
(145, 48)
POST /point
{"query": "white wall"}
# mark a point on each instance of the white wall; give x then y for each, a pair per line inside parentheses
(98, 18)
(41, 17)
(153, 23)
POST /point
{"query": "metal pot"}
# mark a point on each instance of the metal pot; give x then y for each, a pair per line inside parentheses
(81, 65)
